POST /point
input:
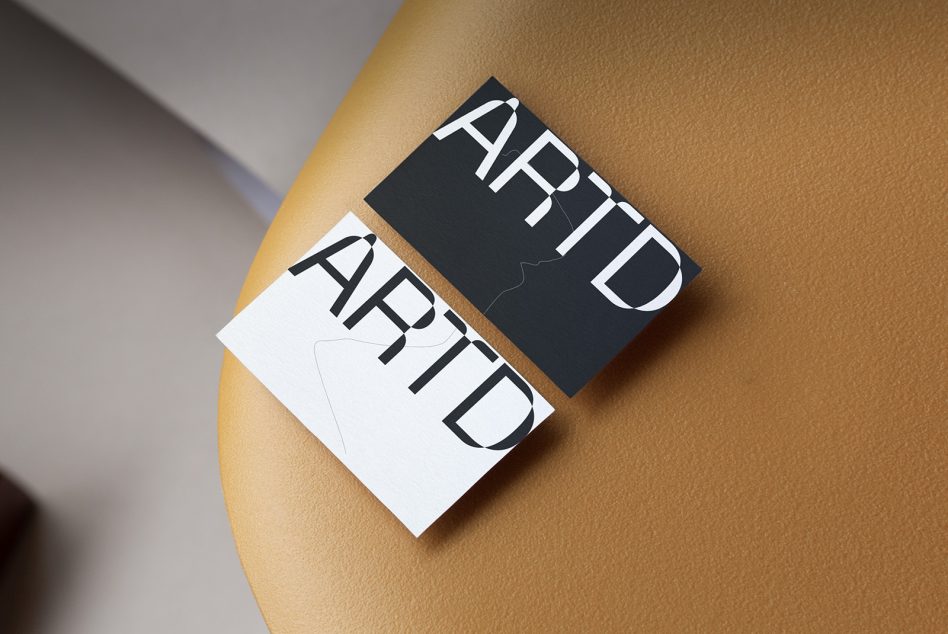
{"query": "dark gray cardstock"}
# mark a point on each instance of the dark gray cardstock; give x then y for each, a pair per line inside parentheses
(562, 263)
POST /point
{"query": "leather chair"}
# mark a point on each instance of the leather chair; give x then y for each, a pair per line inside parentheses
(769, 454)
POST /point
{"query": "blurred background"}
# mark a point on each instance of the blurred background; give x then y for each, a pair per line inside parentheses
(144, 147)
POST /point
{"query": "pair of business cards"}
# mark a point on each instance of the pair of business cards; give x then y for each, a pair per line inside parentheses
(395, 382)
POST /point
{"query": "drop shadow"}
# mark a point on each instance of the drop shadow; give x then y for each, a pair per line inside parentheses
(678, 322)
(675, 326)
(539, 445)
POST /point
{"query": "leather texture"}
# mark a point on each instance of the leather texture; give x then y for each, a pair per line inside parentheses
(770, 454)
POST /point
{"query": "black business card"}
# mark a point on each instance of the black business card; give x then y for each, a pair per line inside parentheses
(563, 264)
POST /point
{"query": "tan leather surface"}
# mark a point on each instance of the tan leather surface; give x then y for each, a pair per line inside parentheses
(770, 455)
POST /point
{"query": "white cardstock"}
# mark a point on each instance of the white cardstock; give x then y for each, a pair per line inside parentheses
(384, 373)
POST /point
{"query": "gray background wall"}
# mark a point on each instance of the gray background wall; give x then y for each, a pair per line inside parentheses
(122, 247)
(259, 78)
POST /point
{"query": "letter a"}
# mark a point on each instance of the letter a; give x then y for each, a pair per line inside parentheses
(348, 284)
(465, 122)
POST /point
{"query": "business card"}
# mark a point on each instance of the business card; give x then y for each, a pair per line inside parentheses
(375, 364)
(562, 263)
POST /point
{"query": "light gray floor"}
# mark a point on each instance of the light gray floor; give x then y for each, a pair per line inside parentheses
(122, 248)
(260, 78)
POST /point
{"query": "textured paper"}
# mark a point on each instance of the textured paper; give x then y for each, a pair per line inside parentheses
(387, 376)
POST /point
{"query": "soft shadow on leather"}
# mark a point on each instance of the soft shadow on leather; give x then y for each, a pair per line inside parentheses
(693, 308)
(539, 445)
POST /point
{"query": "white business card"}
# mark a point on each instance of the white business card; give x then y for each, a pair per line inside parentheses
(401, 390)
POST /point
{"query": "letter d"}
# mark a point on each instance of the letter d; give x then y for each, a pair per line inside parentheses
(662, 299)
(518, 434)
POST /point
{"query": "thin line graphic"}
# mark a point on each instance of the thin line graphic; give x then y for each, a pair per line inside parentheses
(523, 279)
(523, 271)
(322, 382)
